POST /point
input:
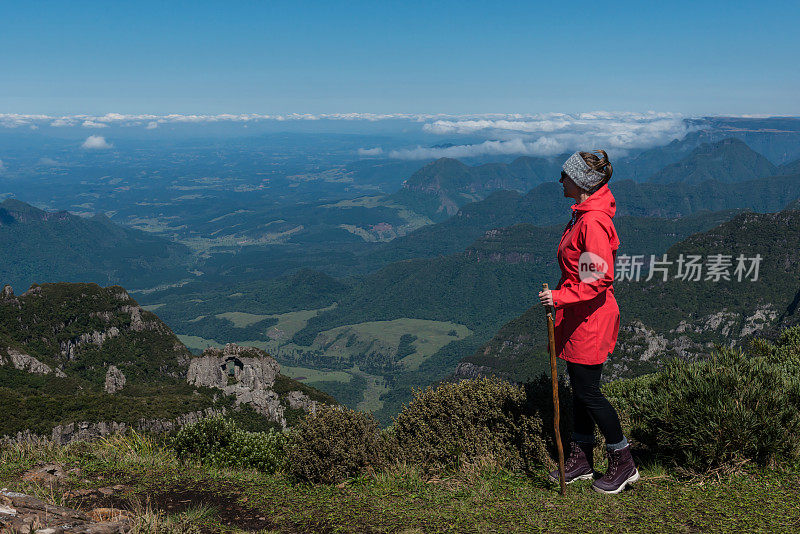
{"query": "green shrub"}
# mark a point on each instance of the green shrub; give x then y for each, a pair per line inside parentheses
(219, 442)
(735, 406)
(470, 420)
(334, 444)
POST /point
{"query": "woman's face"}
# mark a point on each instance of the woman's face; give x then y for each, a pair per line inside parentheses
(571, 190)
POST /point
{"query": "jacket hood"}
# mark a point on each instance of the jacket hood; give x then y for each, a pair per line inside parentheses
(600, 200)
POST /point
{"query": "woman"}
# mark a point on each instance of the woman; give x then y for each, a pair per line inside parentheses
(587, 319)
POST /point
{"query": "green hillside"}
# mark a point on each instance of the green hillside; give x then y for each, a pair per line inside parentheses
(195, 310)
(39, 246)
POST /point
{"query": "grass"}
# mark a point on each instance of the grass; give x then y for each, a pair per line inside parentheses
(412, 219)
(292, 322)
(197, 342)
(241, 319)
(163, 493)
(384, 336)
(309, 375)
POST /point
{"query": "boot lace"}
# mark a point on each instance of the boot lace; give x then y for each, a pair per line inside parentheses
(574, 454)
(613, 463)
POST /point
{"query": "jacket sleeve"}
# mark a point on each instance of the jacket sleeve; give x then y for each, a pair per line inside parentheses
(595, 239)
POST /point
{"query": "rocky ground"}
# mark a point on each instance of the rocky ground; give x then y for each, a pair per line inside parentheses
(26, 514)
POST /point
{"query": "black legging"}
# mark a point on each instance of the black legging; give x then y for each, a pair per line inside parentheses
(590, 406)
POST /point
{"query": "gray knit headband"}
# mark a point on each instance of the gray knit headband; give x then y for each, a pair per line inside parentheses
(584, 176)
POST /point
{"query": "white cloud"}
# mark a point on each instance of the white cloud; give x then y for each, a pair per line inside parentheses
(96, 142)
(543, 146)
(2, 166)
(93, 124)
(50, 162)
(553, 133)
(12, 120)
(62, 122)
(377, 151)
(152, 125)
(598, 121)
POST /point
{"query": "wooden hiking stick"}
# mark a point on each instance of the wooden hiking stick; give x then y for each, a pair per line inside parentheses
(551, 335)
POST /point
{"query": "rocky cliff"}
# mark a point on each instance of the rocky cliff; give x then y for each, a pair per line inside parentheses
(249, 375)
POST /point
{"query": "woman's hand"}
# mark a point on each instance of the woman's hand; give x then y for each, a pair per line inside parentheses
(546, 298)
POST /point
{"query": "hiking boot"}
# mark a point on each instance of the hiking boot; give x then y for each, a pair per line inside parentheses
(621, 471)
(579, 464)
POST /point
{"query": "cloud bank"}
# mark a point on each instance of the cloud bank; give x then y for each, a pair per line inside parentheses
(150, 121)
(544, 134)
(96, 142)
(554, 133)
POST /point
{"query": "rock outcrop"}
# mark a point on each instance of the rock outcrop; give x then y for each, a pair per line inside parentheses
(7, 293)
(300, 401)
(115, 380)
(467, 370)
(86, 431)
(70, 346)
(246, 373)
(25, 362)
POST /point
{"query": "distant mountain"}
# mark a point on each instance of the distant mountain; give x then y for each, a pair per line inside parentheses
(776, 138)
(38, 246)
(680, 318)
(545, 205)
(728, 160)
(439, 188)
(80, 352)
(641, 165)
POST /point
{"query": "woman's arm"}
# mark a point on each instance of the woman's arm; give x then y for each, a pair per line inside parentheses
(596, 267)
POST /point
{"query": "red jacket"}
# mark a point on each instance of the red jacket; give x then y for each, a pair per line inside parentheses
(587, 316)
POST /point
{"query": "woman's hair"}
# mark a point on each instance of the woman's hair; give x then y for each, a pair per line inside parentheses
(603, 166)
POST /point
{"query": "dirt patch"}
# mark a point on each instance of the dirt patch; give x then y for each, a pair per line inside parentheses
(228, 510)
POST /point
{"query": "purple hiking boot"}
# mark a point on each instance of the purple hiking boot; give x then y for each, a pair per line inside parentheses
(621, 472)
(579, 465)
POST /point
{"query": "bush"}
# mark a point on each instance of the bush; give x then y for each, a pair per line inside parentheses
(219, 442)
(735, 406)
(334, 444)
(469, 420)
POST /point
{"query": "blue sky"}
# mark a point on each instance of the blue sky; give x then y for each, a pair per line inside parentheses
(399, 57)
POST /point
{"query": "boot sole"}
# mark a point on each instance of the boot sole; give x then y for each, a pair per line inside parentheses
(588, 476)
(633, 478)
